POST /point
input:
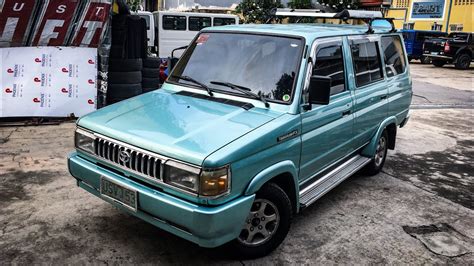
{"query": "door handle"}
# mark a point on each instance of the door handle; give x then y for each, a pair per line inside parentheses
(346, 112)
(383, 97)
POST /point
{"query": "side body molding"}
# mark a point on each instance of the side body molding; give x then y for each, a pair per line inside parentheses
(369, 150)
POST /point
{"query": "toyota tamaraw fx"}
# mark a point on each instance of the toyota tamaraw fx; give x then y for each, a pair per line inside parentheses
(254, 123)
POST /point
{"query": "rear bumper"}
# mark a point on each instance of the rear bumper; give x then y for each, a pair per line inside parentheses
(443, 57)
(205, 226)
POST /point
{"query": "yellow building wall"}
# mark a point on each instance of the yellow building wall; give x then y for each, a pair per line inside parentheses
(461, 13)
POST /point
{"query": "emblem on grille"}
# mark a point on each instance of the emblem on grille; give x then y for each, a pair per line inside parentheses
(124, 156)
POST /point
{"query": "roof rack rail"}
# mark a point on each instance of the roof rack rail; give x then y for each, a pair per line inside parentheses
(367, 16)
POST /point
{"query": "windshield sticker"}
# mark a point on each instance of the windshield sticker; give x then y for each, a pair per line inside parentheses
(286, 97)
(294, 45)
(202, 39)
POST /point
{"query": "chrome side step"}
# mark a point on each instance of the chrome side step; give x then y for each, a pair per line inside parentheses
(321, 186)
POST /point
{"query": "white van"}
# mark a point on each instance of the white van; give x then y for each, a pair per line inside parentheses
(174, 29)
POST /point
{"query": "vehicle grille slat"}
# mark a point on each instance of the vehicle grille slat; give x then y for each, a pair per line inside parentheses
(138, 161)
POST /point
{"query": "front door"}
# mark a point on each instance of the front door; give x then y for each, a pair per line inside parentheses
(327, 129)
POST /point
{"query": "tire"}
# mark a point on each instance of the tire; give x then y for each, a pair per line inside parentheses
(438, 63)
(152, 62)
(463, 61)
(151, 83)
(151, 72)
(124, 77)
(275, 199)
(425, 60)
(123, 90)
(378, 161)
(125, 65)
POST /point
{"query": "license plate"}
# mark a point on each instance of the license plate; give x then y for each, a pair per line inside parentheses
(434, 52)
(120, 194)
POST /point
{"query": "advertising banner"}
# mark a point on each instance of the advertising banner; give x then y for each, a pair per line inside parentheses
(16, 18)
(427, 10)
(47, 81)
(92, 23)
(54, 22)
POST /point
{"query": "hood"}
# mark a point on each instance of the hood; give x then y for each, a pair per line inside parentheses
(176, 125)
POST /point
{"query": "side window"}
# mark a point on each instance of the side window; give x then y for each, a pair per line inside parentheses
(330, 63)
(366, 61)
(199, 23)
(223, 21)
(393, 55)
(174, 22)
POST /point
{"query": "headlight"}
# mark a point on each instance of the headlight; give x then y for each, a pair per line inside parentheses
(205, 183)
(84, 140)
(215, 182)
(181, 175)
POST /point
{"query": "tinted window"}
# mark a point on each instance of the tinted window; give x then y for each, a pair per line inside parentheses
(174, 23)
(198, 23)
(366, 61)
(267, 65)
(223, 21)
(329, 63)
(393, 55)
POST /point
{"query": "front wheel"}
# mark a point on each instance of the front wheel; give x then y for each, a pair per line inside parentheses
(376, 165)
(267, 224)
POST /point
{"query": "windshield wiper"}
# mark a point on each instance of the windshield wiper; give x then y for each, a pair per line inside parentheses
(188, 78)
(242, 89)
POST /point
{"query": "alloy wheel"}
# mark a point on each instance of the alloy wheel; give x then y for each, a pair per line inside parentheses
(261, 223)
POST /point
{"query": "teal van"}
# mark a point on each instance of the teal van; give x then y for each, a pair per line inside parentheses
(255, 123)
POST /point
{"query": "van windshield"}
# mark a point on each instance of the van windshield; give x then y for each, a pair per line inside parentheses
(267, 65)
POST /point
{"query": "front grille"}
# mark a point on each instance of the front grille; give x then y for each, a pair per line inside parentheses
(138, 161)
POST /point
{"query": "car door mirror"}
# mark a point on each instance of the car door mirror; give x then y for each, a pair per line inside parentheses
(319, 90)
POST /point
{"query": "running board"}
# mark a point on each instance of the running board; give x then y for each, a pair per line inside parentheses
(321, 186)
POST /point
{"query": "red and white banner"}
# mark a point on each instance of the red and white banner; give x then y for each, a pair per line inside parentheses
(55, 22)
(47, 81)
(16, 18)
(92, 23)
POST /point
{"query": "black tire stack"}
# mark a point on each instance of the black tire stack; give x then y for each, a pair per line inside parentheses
(150, 74)
(124, 78)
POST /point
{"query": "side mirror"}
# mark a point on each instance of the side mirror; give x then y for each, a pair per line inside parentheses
(319, 90)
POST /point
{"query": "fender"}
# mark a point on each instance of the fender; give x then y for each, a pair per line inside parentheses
(369, 150)
(462, 50)
(267, 174)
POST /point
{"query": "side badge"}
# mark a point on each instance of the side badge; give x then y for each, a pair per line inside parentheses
(287, 135)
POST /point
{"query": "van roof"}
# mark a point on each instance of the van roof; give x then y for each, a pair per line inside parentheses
(308, 31)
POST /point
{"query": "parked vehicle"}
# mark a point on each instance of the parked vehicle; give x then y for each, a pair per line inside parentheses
(255, 123)
(168, 30)
(414, 40)
(457, 48)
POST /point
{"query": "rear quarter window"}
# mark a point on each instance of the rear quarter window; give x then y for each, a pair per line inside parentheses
(393, 55)
(223, 21)
(366, 61)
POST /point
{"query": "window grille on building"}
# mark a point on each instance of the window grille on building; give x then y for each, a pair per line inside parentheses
(464, 2)
(409, 26)
(405, 3)
(456, 27)
(436, 26)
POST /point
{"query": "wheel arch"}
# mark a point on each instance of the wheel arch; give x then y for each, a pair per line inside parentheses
(390, 124)
(284, 174)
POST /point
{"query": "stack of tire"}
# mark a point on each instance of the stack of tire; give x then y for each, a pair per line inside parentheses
(124, 78)
(150, 74)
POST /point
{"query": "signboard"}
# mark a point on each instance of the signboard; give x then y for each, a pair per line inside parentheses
(427, 10)
(16, 17)
(54, 22)
(47, 81)
(92, 23)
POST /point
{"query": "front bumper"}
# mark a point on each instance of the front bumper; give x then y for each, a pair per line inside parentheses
(205, 226)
